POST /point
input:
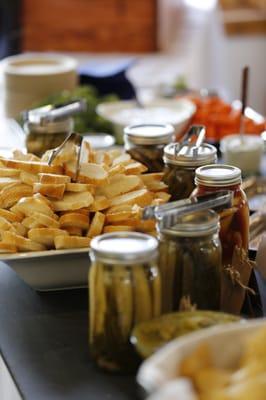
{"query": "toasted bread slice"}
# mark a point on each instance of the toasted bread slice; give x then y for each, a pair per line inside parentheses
(38, 220)
(135, 168)
(156, 186)
(120, 184)
(33, 167)
(80, 187)
(5, 225)
(54, 190)
(118, 228)
(120, 208)
(21, 243)
(53, 178)
(117, 169)
(45, 200)
(19, 155)
(28, 178)
(146, 226)
(45, 236)
(6, 181)
(92, 173)
(123, 159)
(10, 216)
(28, 205)
(7, 248)
(118, 217)
(71, 242)
(100, 203)
(19, 229)
(73, 230)
(101, 157)
(97, 224)
(114, 153)
(73, 201)
(74, 219)
(9, 172)
(140, 197)
(153, 176)
(11, 194)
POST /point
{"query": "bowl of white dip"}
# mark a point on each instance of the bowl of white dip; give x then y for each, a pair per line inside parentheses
(177, 112)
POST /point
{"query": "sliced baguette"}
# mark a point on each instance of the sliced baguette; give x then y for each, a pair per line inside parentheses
(140, 197)
(9, 172)
(54, 190)
(7, 248)
(53, 178)
(28, 178)
(92, 173)
(120, 184)
(28, 205)
(11, 194)
(33, 167)
(74, 219)
(10, 216)
(45, 236)
(73, 230)
(80, 187)
(100, 203)
(135, 168)
(6, 181)
(71, 242)
(123, 159)
(118, 228)
(153, 176)
(21, 243)
(97, 224)
(73, 201)
(39, 220)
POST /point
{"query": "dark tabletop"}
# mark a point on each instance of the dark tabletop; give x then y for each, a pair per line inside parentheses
(43, 340)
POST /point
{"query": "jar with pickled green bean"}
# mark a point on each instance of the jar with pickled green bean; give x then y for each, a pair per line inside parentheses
(190, 261)
(145, 143)
(181, 164)
(124, 289)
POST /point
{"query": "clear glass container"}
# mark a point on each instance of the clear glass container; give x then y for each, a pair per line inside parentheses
(234, 221)
(181, 164)
(190, 261)
(145, 143)
(124, 289)
(41, 138)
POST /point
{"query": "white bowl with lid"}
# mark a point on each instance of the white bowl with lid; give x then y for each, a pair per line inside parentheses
(29, 78)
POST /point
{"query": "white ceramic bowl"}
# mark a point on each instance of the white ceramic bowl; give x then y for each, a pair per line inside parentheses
(243, 152)
(29, 78)
(177, 112)
(162, 367)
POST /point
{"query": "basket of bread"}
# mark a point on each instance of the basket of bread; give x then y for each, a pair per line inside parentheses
(51, 209)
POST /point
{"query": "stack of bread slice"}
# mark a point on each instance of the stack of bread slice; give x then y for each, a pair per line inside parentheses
(46, 207)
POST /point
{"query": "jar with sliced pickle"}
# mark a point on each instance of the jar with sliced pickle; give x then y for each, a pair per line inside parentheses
(145, 143)
(234, 221)
(181, 164)
(190, 261)
(124, 289)
(41, 138)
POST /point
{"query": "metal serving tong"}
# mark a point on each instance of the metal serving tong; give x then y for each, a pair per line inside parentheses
(186, 143)
(76, 139)
(50, 113)
(170, 212)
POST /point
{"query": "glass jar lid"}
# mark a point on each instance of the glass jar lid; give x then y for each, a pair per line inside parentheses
(149, 134)
(61, 126)
(189, 155)
(218, 175)
(124, 247)
(196, 224)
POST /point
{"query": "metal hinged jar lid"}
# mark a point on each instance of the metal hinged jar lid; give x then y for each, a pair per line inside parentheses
(190, 156)
(196, 224)
(52, 119)
(218, 175)
(124, 247)
(149, 134)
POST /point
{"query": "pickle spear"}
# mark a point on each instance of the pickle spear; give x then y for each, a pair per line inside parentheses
(142, 295)
(156, 294)
(124, 299)
(100, 303)
(92, 311)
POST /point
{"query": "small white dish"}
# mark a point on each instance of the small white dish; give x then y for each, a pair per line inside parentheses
(51, 269)
(244, 152)
(162, 367)
(177, 112)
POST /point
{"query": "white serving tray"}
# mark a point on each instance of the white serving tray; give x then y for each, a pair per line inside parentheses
(51, 269)
(162, 367)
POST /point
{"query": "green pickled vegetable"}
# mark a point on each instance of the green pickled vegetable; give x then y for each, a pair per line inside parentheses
(149, 336)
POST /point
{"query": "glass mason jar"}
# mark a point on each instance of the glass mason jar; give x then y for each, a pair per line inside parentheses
(234, 221)
(124, 289)
(181, 164)
(145, 143)
(46, 136)
(190, 261)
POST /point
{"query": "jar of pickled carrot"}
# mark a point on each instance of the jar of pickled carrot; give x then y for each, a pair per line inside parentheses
(234, 221)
